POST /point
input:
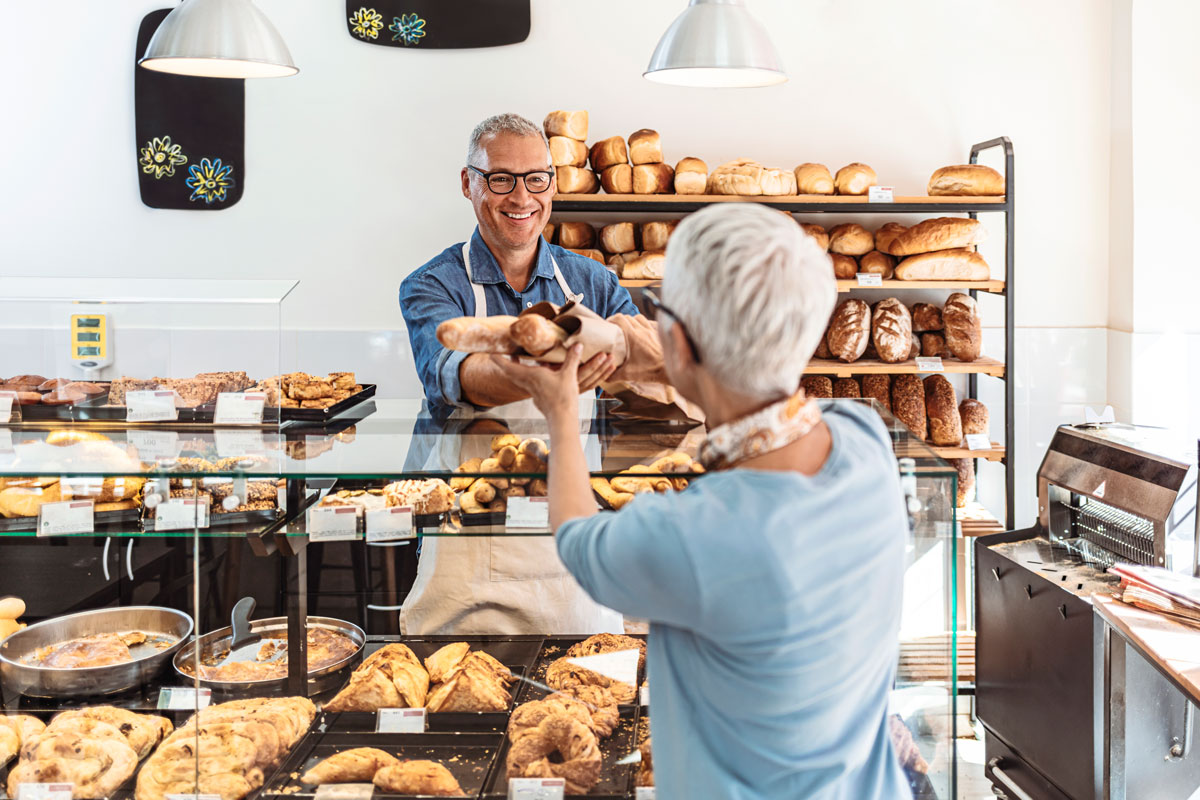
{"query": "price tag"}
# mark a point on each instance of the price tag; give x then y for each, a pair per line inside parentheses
(181, 514)
(45, 791)
(528, 512)
(869, 279)
(154, 445)
(72, 516)
(240, 408)
(232, 444)
(8, 402)
(390, 524)
(536, 788)
(344, 791)
(400, 720)
(150, 406)
(880, 194)
(619, 666)
(978, 441)
(644, 695)
(643, 793)
(929, 364)
(332, 524)
(183, 698)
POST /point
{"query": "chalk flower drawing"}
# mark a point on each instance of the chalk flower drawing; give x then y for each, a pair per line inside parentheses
(209, 180)
(160, 157)
(407, 27)
(367, 22)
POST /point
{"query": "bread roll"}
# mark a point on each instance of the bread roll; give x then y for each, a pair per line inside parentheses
(974, 416)
(749, 178)
(966, 480)
(549, 231)
(877, 263)
(478, 334)
(617, 179)
(818, 234)
(655, 235)
(691, 176)
(620, 237)
(576, 235)
(818, 386)
(565, 152)
(963, 328)
(653, 179)
(850, 239)
(846, 387)
(535, 335)
(854, 178)
(850, 330)
(589, 252)
(944, 265)
(933, 345)
(878, 388)
(926, 317)
(966, 180)
(941, 406)
(608, 152)
(908, 403)
(822, 350)
(645, 147)
(891, 331)
(844, 267)
(649, 266)
(886, 235)
(572, 124)
(576, 180)
(942, 233)
(813, 179)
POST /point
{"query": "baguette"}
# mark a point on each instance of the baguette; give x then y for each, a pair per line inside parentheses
(566, 152)
(573, 124)
(944, 265)
(966, 180)
(617, 179)
(536, 334)
(478, 334)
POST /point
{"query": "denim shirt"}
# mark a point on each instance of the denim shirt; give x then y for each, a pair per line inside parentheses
(439, 290)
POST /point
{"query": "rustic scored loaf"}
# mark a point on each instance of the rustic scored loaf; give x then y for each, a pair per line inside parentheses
(691, 176)
(850, 239)
(967, 180)
(941, 406)
(617, 179)
(850, 330)
(653, 179)
(567, 152)
(963, 327)
(891, 331)
(645, 147)
(944, 265)
(926, 317)
(908, 403)
(818, 234)
(608, 152)
(854, 178)
(572, 124)
(941, 233)
(813, 179)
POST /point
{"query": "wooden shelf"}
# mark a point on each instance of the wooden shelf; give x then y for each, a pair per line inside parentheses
(995, 454)
(804, 203)
(631, 284)
(975, 520)
(891, 286)
(980, 366)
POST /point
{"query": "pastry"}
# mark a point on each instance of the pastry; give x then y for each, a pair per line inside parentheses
(854, 178)
(573, 124)
(559, 747)
(813, 179)
(878, 263)
(941, 406)
(850, 239)
(576, 180)
(944, 265)
(691, 176)
(567, 152)
(562, 674)
(645, 147)
(963, 328)
(966, 180)
(849, 330)
(418, 777)
(974, 415)
(891, 331)
(908, 403)
(391, 677)
(653, 179)
(645, 775)
(16, 729)
(926, 317)
(878, 388)
(477, 682)
(942, 233)
(617, 179)
(611, 642)
(818, 235)
(608, 153)
(356, 765)
(818, 386)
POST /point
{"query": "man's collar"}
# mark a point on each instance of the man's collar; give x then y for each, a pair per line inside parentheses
(485, 268)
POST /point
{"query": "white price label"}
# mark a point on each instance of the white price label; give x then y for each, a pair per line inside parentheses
(150, 406)
(643, 793)
(72, 516)
(978, 441)
(181, 514)
(240, 408)
(45, 791)
(644, 695)
(8, 401)
(400, 720)
(528, 512)
(619, 666)
(235, 443)
(536, 788)
(344, 791)
(332, 524)
(929, 364)
(390, 524)
(184, 698)
(880, 194)
(869, 279)
(154, 445)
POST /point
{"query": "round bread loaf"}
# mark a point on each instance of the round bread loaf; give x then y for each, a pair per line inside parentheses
(926, 317)
(941, 406)
(974, 416)
(849, 330)
(851, 239)
(933, 345)
(891, 331)
(877, 263)
(854, 178)
(818, 235)
(813, 179)
(844, 267)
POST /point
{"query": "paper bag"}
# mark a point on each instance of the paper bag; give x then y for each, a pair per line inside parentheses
(583, 326)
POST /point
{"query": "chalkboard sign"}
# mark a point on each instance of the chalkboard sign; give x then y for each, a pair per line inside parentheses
(191, 134)
(438, 24)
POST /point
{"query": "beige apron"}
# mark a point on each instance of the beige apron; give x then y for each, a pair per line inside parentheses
(502, 584)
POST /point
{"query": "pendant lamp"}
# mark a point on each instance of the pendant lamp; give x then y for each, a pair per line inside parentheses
(716, 43)
(218, 39)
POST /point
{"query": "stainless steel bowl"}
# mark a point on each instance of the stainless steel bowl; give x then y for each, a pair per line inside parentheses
(147, 660)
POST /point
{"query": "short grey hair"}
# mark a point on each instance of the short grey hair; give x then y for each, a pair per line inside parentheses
(503, 123)
(755, 292)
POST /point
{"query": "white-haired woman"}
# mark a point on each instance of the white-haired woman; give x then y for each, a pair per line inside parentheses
(773, 584)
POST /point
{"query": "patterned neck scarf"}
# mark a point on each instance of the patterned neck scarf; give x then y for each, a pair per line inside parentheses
(770, 428)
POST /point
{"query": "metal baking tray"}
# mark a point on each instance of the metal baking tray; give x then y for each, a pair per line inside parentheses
(552, 649)
(107, 522)
(56, 682)
(470, 757)
(216, 642)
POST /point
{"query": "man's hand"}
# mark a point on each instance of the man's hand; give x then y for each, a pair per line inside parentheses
(555, 389)
(644, 355)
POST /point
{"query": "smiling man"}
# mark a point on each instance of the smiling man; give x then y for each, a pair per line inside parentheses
(505, 267)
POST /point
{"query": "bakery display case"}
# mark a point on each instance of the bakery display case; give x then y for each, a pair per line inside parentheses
(288, 613)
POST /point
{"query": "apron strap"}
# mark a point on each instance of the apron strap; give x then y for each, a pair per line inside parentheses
(562, 284)
(481, 298)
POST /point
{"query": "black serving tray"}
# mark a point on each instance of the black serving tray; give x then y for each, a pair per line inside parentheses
(552, 649)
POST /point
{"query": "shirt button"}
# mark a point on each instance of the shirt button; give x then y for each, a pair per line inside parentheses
(529, 305)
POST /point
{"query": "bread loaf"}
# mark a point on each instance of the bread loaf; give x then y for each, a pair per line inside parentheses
(653, 179)
(850, 239)
(616, 261)
(617, 179)
(576, 180)
(974, 416)
(966, 480)
(649, 266)
(933, 345)
(818, 234)
(566, 152)
(608, 152)
(915, 349)
(942, 233)
(576, 235)
(589, 252)
(878, 388)
(645, 147)
(850, 330)
(549, 231)
(926, 317)
(944, 265)
(691, 176)
(908, 403)
(886, 235)
(854, 178)
(620, 237)
(655, 235)
(822, 350)
(535, 334)
(844, 267)
(572, 124)
(818, 386)
(966, 180)
(963, 328)
(846, 387)
(877, 263)
(941, 406)
(749, 178)
(891, 331)
(478, 334)
(813, 179)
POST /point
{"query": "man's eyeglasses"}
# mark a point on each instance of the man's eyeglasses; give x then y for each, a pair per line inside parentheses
(656, 308)
(504, 182)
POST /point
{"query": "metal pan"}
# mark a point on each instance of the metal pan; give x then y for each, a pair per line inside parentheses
(214, 647)
(148, 659)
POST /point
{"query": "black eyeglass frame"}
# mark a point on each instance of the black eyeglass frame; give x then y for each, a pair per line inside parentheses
(660, 308)
(487, 179)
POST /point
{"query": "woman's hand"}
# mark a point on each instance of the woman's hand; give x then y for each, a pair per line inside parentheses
(555, 389)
